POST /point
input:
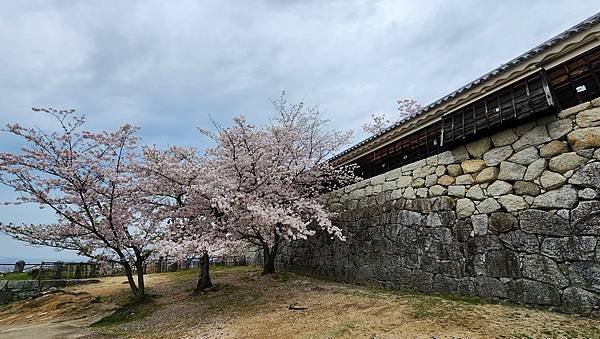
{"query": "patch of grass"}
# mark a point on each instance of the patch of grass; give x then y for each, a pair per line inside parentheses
(130, 310)
(425, 307)
(17, 276)
(283, 276)
(214, 270)
(467, 299)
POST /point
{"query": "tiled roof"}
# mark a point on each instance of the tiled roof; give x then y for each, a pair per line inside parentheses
(580, 27)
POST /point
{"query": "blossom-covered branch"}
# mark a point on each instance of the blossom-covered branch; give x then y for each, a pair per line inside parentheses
(88, 180)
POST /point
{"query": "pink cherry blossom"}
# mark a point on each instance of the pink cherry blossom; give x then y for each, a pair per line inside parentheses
(267, 182)
(407, 108)
(89, 180)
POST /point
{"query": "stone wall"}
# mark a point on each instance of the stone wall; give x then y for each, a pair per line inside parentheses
(512, 216)
(13, 290)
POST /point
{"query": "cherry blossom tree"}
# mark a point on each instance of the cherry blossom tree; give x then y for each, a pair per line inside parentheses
(267, 181)
(176, 187)
(406, 108)
(88, 180)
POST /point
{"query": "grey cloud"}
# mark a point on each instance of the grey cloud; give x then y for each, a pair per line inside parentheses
(167, 65)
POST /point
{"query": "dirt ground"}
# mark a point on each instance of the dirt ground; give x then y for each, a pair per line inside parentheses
(247, 305)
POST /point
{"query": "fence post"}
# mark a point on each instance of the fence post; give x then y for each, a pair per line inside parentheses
(41, 271)
(93, 270)
(58, 266)
(19, 266)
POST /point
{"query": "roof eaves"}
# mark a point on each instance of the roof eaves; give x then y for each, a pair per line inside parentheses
(582, 26)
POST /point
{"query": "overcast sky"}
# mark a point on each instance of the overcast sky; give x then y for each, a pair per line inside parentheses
(167, 65)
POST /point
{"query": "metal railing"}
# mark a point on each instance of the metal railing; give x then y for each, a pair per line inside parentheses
(80, 270)
(53, 270)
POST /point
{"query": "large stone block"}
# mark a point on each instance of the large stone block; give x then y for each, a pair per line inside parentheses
(446, 180)
(522, 129)
(588, 118)
(5, 297)
(535, 169)
(476, 193)
(436, 191)
(551, 180)
(504, 138)
(414, 165)
(462, 230)
(502, 264)
(570, 248)
(542, 222)
(553, 148)
(574, 110)
(488, 287)
(443, 203)
(488, 174)
(501, 222)
(532, 292)
(520, 241)
(526, 188)
(499, 188)
(409, 218)
(456, 191)
(465, 208)
(587, 194)
(564, 197)
(578, 300)
(543, 269)
(457, 155)
(477, 148)
(525, 156)
(566, 162)
(422, 172)
(511, 171)
(588, 176)
(585, 219)
(422, 192)
(483, 244)
(444, 284)
(465, 179)
(454, 170)
(488, 205)
(431, 180)
(585, 274)
(495, 156)
(560, 128)
(409, 193)
(472, 166)
(584, 138)
(418, 182)
(480, 224)
(536, 136)
(440, 170)
(389, 185)
(393, 174)
(422, 281)
(513, 203)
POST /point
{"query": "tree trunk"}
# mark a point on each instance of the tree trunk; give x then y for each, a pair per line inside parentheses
(269, 255)
(204, 274)
(130, 280)
(141, 293)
